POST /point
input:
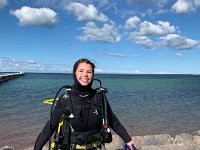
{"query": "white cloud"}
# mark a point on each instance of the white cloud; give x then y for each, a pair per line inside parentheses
(35, 16)
(158, 2)
(178, 54)
(12, 65)
(117, 55)
(185, 6)
(152, 4)
(108, 33)
(178, 42)
(89, 13)
(145, 33)
(118, 71)
(142, 40)
(98, 70)
(103, 3)
(130, 72)
(163, 72)
(162, 11)
(3, 3)
(151, 35)
(149, 29)
(135, 55)
(132, 22)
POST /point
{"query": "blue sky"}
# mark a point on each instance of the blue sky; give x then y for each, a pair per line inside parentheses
(123, 36)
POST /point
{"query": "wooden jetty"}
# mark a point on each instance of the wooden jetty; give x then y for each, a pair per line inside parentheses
(8, 76)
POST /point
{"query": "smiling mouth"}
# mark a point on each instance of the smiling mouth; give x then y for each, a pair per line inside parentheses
(84, 80)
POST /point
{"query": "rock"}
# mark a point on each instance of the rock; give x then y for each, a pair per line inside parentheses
(117, 143)
(7, 148)
(182, 141)
(183, 138)
(181, 146)
(161, 139)
(196, 140)
(197, 133)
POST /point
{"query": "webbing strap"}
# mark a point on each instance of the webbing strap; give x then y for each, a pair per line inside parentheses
(88, 146)
(83, 138)
(66, 131)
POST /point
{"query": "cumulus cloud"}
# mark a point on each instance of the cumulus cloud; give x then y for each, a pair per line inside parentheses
(132, 22)
(178, 42)
(185, 6)
(88, 13)
(12, 65)
(108, 33)
(3, 3)
(117, 55)
(145, 32)
(151, 35)
(160, 29)
(145, 41)
(35, 16)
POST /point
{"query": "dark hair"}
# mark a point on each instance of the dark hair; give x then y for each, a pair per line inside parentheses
(83, 60)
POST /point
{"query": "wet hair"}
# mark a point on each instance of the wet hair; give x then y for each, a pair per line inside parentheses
(83, 60)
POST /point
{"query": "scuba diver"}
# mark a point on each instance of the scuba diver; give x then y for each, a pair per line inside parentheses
(86, 116)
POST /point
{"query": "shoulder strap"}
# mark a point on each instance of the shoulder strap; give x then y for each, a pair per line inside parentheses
(98, 100)
(68, 105)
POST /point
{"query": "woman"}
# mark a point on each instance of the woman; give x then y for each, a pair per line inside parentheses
(84, 120)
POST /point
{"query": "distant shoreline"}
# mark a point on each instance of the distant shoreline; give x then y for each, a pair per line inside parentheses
(99, 73)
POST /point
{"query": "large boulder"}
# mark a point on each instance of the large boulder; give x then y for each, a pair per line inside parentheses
(181, 146)
(7, 148)
(161, 139)
(117, 143)
(196, 140)
(183, 138)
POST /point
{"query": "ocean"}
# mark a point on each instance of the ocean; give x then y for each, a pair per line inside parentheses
(145, 104)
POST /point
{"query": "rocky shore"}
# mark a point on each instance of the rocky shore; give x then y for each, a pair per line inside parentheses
(184, 141)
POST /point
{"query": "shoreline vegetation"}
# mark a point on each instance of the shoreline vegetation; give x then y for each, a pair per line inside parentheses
(183, 141)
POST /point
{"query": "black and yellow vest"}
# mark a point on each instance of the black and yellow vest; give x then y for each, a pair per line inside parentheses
(66, 138)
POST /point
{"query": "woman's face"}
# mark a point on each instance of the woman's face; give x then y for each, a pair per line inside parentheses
(84, 73)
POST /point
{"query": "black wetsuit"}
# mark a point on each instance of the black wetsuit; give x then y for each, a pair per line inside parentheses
(85, 119)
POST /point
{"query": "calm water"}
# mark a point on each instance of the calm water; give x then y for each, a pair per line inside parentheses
(145, 104)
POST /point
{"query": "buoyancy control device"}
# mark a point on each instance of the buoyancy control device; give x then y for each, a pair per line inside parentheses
(64, 138)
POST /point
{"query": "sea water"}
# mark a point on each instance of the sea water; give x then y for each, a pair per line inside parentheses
(145, 104)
